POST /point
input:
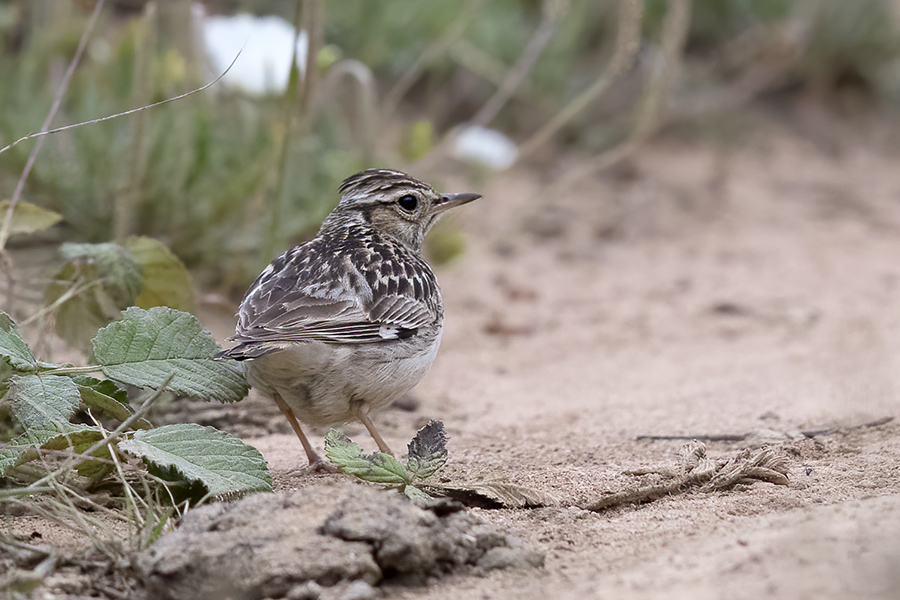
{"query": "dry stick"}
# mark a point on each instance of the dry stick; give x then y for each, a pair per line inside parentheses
(516, 76)
(6, 228)
(79, 288)
(674, 35)
(366, 101)
(54, 108)
(512, 80)
(132, 111)
(628, 37)
(291, 94)
(699, 471)
(739, 437)
(715, 437)
(86, 455)
(434, 50)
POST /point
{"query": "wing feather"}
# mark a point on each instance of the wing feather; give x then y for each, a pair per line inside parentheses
(338, 293)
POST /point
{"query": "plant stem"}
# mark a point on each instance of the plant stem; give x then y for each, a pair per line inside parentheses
(86, 455)
(71, 370)
(647, 113)
(54, 108)
(434, 50)
(628, 38)
(516, 75)
(272, 242)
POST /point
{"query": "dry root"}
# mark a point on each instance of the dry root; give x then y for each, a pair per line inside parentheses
(699, 471)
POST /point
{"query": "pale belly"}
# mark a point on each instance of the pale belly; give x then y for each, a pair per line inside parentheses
(326, 384)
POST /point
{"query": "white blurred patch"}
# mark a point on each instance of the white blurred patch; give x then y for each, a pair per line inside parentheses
(265, 62)
(486, 146)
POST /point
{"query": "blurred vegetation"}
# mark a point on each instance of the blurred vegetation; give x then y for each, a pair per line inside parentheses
(225, 179)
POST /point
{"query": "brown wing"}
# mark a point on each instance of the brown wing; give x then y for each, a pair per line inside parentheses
(336, 293)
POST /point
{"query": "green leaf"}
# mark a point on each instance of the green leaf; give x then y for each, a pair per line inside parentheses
(415, 494)
(220, 462)
(29, 218)
(428, 450)
(120, 273)
(103, 386)
(105, 396)
(13, 348)
(96, 282)
(166, 281)
(13, 456)
(145, 347)
(43, 404)
(78, 438)
(376, 467)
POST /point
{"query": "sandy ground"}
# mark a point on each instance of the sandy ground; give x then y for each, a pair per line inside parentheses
(694, 291)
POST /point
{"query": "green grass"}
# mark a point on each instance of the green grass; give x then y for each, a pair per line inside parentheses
(202, 174)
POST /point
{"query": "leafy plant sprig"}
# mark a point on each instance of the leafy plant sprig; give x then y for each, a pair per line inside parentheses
(155, 349)
(427, 454)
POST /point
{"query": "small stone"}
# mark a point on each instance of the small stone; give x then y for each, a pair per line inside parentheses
(305, 591)
(505, 557)
(359, 590)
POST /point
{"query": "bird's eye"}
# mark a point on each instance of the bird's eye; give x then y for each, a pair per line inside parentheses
(408, 203)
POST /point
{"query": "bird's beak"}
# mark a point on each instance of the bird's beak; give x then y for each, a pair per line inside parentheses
(448, 201)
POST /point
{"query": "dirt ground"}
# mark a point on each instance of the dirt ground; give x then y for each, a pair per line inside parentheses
(697, 290)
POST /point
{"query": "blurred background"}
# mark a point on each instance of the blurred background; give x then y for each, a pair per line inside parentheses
(231, 176)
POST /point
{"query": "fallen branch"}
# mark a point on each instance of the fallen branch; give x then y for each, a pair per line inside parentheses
(698, 471)
(765, 434)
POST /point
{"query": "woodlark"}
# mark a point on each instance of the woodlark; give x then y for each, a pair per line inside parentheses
(351, 320)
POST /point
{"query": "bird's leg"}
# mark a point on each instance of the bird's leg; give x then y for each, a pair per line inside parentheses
(375, 436)
(315, 461)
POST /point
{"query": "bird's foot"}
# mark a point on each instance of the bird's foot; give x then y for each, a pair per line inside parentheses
(315, 466)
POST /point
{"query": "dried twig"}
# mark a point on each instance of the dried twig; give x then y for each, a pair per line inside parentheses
(512, 80)
(628, 38)
(649, 110)
(740, 437)
(434, 50)
(552, 12)
(292, 95)
(698, 471)
(54, 108)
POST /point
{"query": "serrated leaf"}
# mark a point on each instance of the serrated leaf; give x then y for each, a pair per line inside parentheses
(145, 347)
(103, 386)
(29, 218)
(350, 459)
(105, 396)
(89, 303)
(43, 404)
(24, 447)
(223, 464)
(494, 494)
(166, 281)
(120, 274)
(96, 282)
(416, 495)
(427, 450)
(13, 347)
(13, 456)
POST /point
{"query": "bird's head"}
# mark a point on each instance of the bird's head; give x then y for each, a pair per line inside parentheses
(393, 203)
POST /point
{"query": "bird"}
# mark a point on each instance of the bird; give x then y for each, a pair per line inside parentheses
(349, 321)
